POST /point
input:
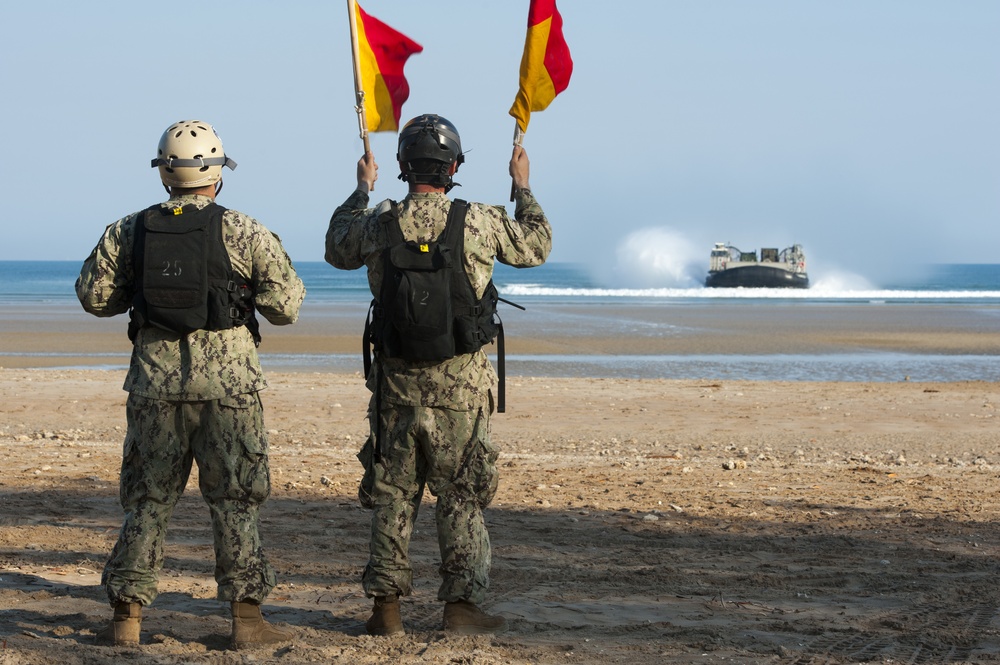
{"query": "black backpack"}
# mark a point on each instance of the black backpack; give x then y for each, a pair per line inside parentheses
(427, 309)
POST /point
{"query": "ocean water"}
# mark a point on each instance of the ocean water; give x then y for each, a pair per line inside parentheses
(568, 299)
(52, 281)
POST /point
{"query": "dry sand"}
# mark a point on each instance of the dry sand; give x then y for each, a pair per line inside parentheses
(637, 522)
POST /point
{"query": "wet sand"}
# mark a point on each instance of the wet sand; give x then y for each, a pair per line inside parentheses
(66, 336)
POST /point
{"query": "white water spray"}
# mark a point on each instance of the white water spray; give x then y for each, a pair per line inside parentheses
(839, 281)
(659, 257)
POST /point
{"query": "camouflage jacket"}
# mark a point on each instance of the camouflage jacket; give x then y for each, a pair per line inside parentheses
(206, 364)
(356, 238)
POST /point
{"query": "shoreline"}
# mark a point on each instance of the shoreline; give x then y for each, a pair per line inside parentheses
(870, 368)
(836, 341)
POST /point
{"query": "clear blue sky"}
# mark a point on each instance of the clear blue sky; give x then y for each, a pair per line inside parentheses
(867, 130)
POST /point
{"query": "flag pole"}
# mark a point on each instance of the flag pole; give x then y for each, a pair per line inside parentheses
(359, 89)
(518, 140)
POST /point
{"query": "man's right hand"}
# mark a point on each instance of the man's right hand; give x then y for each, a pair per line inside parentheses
(519, 168)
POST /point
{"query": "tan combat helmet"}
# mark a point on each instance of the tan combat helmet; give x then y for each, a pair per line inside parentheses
(190, 154)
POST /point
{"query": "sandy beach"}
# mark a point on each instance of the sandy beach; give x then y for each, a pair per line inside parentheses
(637, 521)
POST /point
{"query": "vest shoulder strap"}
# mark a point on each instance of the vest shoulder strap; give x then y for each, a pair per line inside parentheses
(454, 230)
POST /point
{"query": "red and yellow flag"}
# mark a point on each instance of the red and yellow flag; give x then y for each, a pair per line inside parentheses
(546, 64)
(382, 52)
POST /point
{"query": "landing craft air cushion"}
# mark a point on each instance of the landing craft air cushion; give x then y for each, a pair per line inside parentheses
(731, 267)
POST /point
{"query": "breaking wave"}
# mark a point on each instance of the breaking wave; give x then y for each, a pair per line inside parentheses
(815, 293)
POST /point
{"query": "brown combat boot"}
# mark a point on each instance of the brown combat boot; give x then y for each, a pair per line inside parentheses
(124, 627)
(385, 618)
(250, 629)
(464, 618)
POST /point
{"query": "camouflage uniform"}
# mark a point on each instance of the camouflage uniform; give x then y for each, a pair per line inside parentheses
(193, 397)
(435, 416)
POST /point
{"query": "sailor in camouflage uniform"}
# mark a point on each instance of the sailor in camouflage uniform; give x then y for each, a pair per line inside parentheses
(192, 394)
(431, 419)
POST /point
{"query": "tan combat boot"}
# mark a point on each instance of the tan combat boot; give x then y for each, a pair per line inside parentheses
(124, 627)
(385, 618)
(464, 618)
(250, 629)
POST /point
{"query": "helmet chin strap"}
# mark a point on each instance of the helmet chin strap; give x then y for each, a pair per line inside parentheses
(218, 187)
(439, 179)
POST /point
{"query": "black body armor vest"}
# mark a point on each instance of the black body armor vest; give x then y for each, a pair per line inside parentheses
(184, 277)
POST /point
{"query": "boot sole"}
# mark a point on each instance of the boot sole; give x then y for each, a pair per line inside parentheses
(237, 646)
(385, 633)
(475, 630)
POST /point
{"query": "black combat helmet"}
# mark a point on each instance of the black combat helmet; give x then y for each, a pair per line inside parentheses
(428, 146)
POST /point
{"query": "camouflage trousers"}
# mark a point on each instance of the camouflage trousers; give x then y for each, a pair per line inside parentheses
(226, 438)
(450, 453)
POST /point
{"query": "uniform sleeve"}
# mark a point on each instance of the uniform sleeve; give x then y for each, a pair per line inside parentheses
(351, 237)
(104, 286)
(278, 289)
(526, 240)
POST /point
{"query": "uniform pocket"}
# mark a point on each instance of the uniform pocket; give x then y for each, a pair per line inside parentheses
(243, 416)
(483, 478)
